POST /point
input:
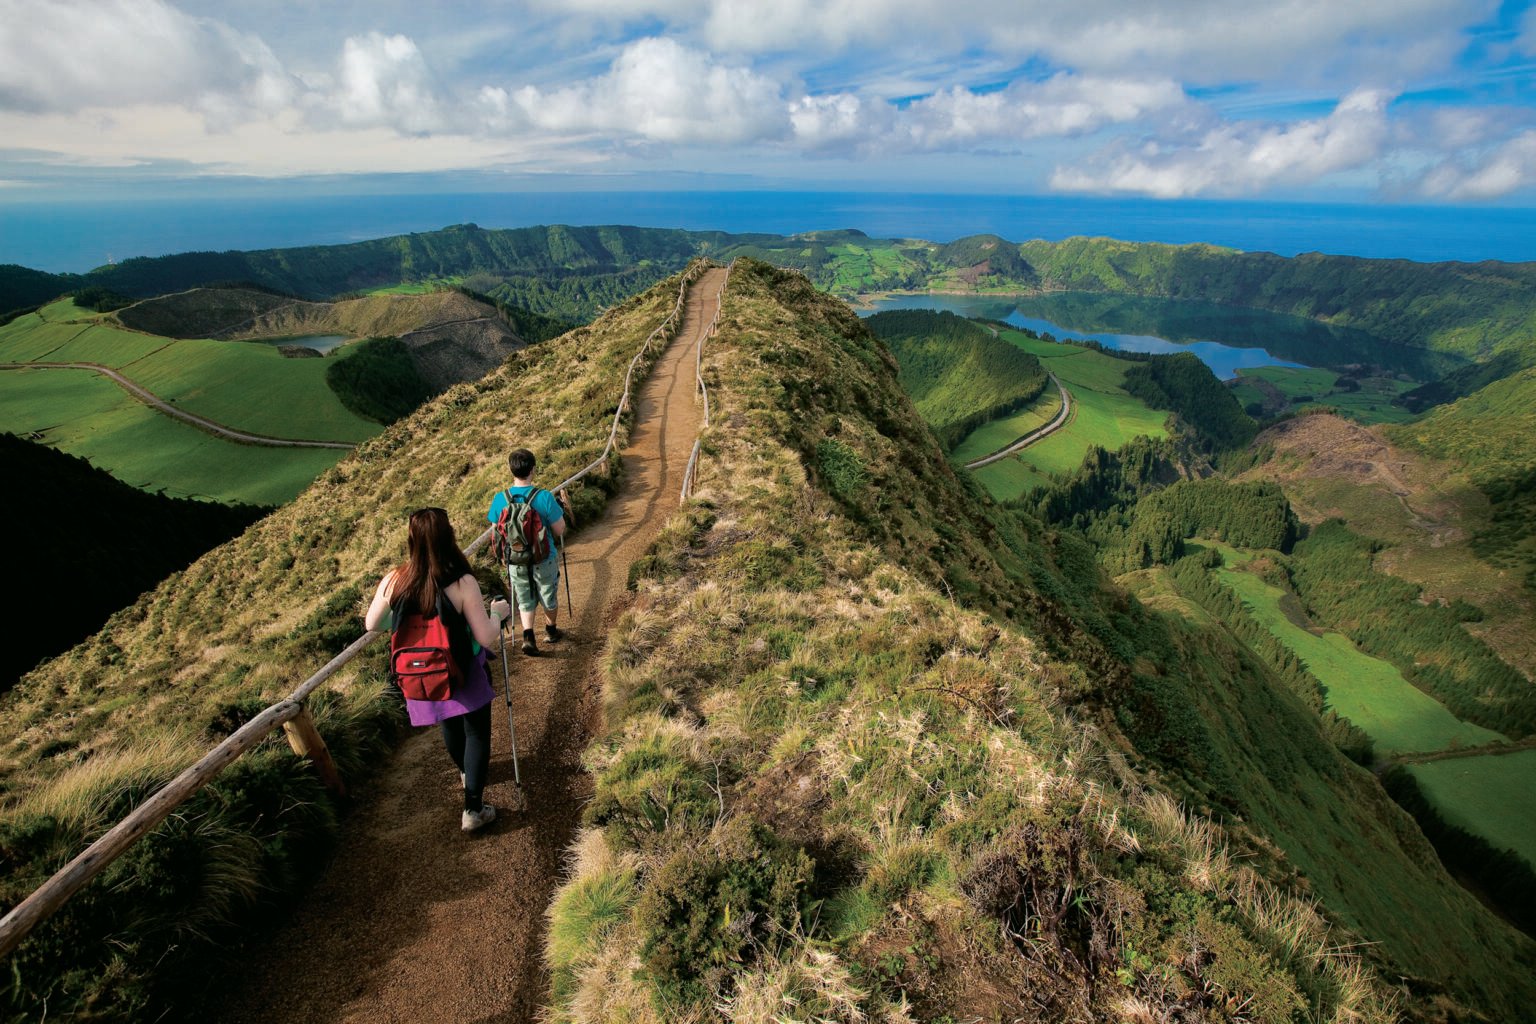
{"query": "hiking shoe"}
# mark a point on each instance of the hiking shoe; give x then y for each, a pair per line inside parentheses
(530, 647)
(553, 633)
(474, 821)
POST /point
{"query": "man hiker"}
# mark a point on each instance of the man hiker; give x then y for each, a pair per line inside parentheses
(539, 583)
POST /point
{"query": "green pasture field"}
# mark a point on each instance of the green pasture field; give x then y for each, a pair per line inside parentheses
(85, 414)
(244, 385)
(1103, 414)
(1371, 404)
(999, 433)
(1489, 795)
(65, 309)
(252, 386)
(1371, 693)
(855, 267)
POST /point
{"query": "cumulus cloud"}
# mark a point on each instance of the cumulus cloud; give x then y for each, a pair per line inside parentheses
(1243, 157)
(1201, 41)
(67, 54)
(1509, 166)
(661, 91)
(383, 81)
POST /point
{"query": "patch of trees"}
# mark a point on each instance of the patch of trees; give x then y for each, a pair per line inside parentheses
(1183, 384)
(958, 373)
(23, 289)
(378, 380)
(1504, 876)
(528, 325)
(1331, 571)
(86, 544)
(102, 300)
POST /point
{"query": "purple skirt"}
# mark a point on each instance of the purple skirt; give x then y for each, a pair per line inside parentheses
(473, 693)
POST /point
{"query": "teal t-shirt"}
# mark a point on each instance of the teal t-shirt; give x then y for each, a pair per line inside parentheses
(544, 503)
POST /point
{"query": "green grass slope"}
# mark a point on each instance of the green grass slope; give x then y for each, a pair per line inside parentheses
(88, 734)
(1490, 433)
(846, 773)
(959, 374)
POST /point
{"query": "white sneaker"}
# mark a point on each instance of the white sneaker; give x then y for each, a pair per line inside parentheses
(474, 821)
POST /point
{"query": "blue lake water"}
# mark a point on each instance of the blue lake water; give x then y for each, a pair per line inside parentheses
(1223, 359)
(76, 236)
(322, 343)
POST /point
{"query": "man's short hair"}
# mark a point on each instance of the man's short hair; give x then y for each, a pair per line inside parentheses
(522, 462)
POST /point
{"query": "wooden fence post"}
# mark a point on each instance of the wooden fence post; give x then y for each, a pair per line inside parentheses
(306, 741)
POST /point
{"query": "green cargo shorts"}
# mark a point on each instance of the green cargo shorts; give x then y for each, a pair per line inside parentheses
(546, 581)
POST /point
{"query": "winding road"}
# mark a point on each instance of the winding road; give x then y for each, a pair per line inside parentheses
(161, 405)
(414, 921)
(1034, 435)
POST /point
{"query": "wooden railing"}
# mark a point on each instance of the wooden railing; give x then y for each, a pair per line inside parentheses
(690, 475)
(290, 713)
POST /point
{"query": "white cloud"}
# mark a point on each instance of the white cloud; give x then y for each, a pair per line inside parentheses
(1243, 157)
(383, 81)
(1526, 41)
(1197, 41)
(1508, 167)
(662, 91)
(66, 54)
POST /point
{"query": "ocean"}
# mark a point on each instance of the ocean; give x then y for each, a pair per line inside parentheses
(76, 236)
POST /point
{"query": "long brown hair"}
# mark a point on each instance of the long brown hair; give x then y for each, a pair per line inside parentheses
(433, 561)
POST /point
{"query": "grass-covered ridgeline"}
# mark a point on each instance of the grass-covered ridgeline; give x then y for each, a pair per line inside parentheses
(1465, 312)
(879, 748)
(959, 373)
(87, 735)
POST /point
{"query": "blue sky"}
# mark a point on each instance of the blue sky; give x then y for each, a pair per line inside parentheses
(1421, 101)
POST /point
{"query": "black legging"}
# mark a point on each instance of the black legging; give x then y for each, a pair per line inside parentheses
(468, 739)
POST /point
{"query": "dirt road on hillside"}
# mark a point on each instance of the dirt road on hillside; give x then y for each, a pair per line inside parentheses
(159, 404)
(415, 922)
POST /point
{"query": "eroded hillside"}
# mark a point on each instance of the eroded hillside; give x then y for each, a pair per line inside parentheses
(451, 337)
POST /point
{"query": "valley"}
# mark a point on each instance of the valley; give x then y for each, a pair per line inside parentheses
(1161, 643)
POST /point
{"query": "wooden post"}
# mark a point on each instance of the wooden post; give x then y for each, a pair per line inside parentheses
(73, 876)
(307, 742)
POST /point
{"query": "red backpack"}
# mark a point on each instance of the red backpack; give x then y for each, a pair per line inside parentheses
(421, 660)
(520, 536)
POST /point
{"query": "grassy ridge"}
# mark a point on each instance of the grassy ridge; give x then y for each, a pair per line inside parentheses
(88, 734)
(959, 374)
(864, 697)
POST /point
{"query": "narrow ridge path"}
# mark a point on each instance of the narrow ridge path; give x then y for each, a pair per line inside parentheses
(416, 922)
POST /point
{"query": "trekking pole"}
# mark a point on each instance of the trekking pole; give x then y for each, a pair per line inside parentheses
(506, 676)
(565, 571)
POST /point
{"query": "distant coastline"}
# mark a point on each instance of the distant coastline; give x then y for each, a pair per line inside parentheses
(61, 237)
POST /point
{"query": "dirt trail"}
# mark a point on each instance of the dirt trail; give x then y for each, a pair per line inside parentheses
(415, 921)
(1034, 435)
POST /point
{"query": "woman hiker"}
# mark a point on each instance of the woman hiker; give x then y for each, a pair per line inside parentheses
(435, 576)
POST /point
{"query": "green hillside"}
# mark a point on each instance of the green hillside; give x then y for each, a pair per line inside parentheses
(959, 373)
(950, 640)
(873, 740)
(1490, 433)
(88, 734)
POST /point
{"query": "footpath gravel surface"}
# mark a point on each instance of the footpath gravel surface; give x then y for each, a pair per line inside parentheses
(417, 922)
